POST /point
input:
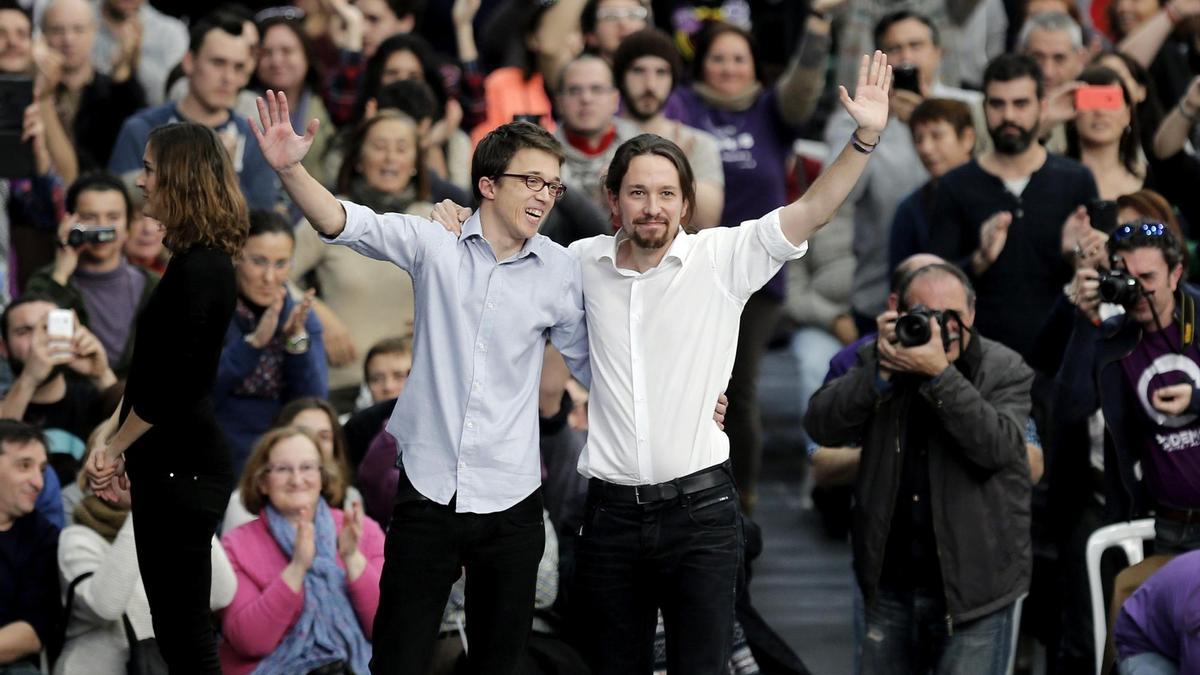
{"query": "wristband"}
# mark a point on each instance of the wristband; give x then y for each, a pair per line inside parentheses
(861, 145)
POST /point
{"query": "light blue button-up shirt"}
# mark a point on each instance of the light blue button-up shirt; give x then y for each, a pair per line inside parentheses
(467, 422)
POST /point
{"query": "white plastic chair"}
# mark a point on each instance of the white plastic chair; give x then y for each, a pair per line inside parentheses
(1130, 537)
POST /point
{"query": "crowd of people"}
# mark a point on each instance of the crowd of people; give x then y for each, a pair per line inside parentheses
(313, 267)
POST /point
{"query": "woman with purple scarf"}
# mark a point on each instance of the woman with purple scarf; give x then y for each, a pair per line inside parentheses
(308, 574)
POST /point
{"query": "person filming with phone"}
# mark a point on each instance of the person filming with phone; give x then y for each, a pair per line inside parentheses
(1141, 368)
(940, 414)
(60, 366)
(90, 274)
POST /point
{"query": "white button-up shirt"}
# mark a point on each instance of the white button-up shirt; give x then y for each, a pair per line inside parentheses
(467, 422)
(662, 347)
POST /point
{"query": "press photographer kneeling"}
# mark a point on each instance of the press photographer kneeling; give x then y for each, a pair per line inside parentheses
(1141, 369)
(941, 513)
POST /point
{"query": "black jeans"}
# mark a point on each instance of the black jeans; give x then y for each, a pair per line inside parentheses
(681, 555)
(743, 421)
(428, 546)
(175, 516)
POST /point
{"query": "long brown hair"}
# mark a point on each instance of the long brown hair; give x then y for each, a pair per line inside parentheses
(198, 199)
(259, 462)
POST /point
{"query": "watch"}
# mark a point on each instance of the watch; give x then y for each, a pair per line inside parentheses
(297, 344)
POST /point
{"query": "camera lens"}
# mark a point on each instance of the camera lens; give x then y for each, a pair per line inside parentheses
(1117, 287)
(913, 330)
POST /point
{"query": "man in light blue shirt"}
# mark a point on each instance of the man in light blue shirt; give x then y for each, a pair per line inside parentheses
(466, 424)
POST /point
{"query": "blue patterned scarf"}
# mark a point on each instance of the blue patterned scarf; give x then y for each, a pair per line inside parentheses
(327, 629)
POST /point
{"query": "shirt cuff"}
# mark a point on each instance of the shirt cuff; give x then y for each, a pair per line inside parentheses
(354, 227)
(770, 235)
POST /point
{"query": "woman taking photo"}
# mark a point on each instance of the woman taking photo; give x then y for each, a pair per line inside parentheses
(164, 432)
(308, 574)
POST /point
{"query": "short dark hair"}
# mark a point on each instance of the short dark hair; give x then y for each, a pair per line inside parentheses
(391, 345)
(219, 20)
(403, 8)
(956, 113)
(706, 38)
(411, 97)
(497, 149)
(885, 24)
(651, 144)
(17, 432)
(936, 268)
(14, 6)
(1167, 243)
(23, 300)
(1008, 67)
(263, 221)
(99, 181)
(646, 42)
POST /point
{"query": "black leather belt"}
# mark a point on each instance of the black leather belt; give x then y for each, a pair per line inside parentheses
(660, 492)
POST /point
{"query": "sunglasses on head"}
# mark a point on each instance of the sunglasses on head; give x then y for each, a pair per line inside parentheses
(1139, 229)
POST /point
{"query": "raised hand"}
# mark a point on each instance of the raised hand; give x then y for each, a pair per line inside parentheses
(993, 235)
(265, 330)
(351, 532)
(281, 146)
(295, 322)
(305, 549)
(869, 107)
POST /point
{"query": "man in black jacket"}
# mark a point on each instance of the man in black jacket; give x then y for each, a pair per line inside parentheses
(941, 517)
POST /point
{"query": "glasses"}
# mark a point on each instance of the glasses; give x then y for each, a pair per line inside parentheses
(1140, 229)
(282, 471)
(596, 90)
(618, 13)
(286, 12)
(536, 183)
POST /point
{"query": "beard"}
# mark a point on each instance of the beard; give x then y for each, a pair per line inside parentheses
(632, 103)
(649, 243)
(1008, 144)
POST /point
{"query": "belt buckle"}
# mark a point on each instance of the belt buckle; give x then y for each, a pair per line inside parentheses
(637, 495)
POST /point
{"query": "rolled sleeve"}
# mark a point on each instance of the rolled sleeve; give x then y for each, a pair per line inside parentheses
(770, 235)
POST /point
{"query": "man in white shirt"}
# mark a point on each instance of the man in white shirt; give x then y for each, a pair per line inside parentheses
(662, 528)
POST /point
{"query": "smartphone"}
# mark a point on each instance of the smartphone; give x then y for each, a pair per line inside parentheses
(16, 156)
(60, 329)
(906, 76)
(1103, 214)
(1099, 97)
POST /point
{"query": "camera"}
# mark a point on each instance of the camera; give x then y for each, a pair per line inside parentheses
(1119, 287)
(80, 236)
(913, 329)
(906, 76)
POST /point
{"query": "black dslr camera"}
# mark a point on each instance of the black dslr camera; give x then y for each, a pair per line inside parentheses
(81, 236)
(913, 330)
(1119, 287)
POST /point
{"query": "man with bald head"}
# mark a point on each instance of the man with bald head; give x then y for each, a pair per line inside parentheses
(90, 104)
(940, 527)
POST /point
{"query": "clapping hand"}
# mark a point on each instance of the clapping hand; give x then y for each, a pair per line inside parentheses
(348, 540)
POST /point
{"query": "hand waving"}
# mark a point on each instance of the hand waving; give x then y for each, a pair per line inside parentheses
(869, 107)
(282, 147)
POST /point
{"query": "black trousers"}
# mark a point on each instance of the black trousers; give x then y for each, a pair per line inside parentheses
(681, 555)
(743, 420)
(175, 516)
(428, 546)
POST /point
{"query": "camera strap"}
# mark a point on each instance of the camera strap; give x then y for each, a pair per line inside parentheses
(1187, 316)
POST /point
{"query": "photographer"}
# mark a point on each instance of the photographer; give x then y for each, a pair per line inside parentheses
(941, 515)
(1141, 369)
(90, 273)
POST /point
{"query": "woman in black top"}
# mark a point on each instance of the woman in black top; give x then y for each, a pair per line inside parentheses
(164, 432)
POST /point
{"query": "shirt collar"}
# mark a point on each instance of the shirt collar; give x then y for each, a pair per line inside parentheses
(680, 246)
(473, 229)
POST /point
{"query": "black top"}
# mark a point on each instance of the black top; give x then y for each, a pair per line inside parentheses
(29, 575)
(77, 412)
(1016, 294)
(362, 427)
(180, 333)
(103, 107)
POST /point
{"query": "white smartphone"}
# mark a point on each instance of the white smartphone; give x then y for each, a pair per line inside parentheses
(60, 325)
